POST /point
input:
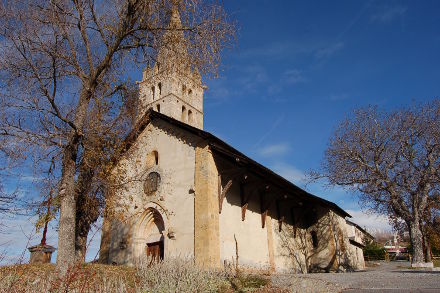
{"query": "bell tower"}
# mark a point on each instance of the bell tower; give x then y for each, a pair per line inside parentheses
(171, 86)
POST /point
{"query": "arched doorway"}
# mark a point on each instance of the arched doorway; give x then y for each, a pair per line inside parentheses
(149, 238)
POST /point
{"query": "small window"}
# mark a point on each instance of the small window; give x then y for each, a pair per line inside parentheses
(183, 89)
(156, 157)
(190, 116)
(160, 88)
(158, 108)
(314, 239)
(190, 92)
(153, 92)
(152, 159)
(151, 183)
(183, 118)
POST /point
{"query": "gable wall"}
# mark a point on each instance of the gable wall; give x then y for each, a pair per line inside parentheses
(175, 202)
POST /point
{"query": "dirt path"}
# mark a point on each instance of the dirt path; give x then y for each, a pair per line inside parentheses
(386, 277)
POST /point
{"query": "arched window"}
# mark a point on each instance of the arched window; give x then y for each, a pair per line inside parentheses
(160, 88)
(183, 118)
(152, 159)
(156, 158)
(183, 89)
(151, 183)
(158, 108)
(190, 114)
(314, 239)
(153, 92)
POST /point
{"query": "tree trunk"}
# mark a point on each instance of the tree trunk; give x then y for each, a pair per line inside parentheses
(66, 231)
(80, 247)
(428, 257)
(86, 214)
(417, 243)
(87, 206)
(67, 222)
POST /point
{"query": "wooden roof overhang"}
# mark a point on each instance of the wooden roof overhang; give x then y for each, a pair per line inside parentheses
(357, 244)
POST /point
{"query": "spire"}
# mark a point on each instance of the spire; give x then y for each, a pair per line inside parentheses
(175, 22)
(173, 48)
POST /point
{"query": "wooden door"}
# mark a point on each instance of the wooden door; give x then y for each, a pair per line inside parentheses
(155, 250)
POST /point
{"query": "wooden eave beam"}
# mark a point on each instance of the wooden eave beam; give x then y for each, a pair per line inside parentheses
(222, 192)
(292, 214)
(265, 205)
(279, 216)
(244, 200)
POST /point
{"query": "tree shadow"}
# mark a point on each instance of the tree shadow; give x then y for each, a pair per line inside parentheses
(315, 242)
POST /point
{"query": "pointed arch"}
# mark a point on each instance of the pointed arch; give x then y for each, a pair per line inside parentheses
(150, 228)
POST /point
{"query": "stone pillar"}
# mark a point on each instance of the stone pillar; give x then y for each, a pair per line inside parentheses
(270, 248)
(206, 209)
(41, 254)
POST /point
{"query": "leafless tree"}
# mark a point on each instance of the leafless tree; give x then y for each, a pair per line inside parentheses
(65, 65)
(392, 160)
(9, 156)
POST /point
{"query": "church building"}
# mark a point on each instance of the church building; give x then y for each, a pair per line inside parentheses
(183, 192)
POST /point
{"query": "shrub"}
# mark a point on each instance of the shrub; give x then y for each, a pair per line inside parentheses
(178, 275)
(171, 275)
(373, 251)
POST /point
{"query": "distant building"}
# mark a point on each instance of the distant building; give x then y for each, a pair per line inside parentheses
(358, 238)
(182, 192)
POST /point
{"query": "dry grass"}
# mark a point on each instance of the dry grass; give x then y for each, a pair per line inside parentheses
(177, 275)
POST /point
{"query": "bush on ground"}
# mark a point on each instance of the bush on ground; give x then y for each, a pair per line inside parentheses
(374, 251)
(171, 275)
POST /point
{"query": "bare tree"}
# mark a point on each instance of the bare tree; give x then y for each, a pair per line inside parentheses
(392, 160)
(64, 65)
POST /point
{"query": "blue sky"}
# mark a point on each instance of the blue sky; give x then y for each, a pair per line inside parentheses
(300, 67)
(297, 70)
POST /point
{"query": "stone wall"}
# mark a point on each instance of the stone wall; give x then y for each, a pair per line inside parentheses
(206, 217)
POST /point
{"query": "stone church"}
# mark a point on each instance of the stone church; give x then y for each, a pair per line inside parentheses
(183, 192)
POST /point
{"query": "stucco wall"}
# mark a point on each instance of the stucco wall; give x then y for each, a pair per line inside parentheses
(252, 239)
(356, 254)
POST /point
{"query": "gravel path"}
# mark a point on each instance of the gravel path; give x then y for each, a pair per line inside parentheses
(386, 277)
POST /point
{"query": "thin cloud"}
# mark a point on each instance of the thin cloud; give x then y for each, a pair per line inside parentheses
(281, 49)
(274, 150)
(372, 222)
(293, 76)
(271, 130)
(389, 13)
(329, 51)
(291, 173)
(252, 77)
(339, 97)
(218, 92)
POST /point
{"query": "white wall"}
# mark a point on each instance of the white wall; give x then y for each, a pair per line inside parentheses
(251, 237)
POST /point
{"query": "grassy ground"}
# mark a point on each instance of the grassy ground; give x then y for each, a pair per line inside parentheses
(169, 276)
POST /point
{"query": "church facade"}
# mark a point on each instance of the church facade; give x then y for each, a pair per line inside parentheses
(182, 192)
